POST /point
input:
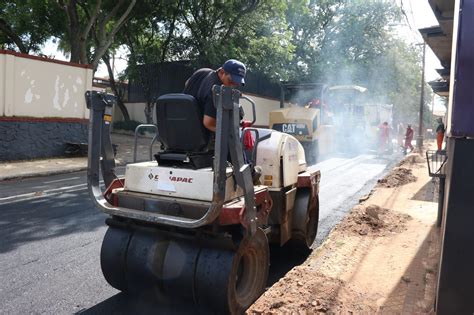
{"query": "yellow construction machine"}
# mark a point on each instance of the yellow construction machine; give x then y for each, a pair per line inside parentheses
(303, 114)
(323, 118)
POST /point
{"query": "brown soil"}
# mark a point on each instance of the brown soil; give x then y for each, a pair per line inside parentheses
(382, 258)
(299, 294)
(373, 220)
(398, 176)
(412, 160)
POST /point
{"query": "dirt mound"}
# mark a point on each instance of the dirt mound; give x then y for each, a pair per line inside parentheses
(373, 220)
(412, 160)
(397, 177)
(306, 291)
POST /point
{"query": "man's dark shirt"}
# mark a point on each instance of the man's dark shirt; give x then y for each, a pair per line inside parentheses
(440, 128)
(200, 85)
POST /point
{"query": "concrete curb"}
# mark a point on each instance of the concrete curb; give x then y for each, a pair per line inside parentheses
(45, 173)
(53, 172)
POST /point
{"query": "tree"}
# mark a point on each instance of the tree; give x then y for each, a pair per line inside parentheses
(90, 32)
(148, 37)
(26, 25)
(309, 22)
(210, 23)
(356, 37)
(358, 46)
(116, 88)
(253, 31)
(89, 19)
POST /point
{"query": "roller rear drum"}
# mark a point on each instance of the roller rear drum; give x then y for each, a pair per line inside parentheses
(219, 276)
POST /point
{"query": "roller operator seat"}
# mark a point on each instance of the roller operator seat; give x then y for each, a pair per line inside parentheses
(181, 132)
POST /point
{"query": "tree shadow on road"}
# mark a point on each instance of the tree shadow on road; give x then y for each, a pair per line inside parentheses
(29, 221)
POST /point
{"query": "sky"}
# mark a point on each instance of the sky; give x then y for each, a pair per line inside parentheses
(418, 15)
(51, 49)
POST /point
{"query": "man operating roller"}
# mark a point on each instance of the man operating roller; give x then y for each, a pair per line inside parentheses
(231, 74)
(199, 85)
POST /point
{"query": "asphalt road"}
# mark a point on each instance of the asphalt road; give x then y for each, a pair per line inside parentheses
(343, 181)
(51, 236)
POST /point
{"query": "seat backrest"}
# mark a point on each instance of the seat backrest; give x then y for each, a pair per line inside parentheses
(180, 126)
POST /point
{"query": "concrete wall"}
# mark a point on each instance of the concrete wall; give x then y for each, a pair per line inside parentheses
(136, 111)
(38, 87)
(28, 139)
(42, 105)
(263, 107)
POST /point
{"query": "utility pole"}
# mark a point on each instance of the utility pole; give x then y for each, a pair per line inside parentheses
(419, 139)
(433, 120)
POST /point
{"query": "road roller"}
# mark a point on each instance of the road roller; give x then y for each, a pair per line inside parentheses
(193, 223)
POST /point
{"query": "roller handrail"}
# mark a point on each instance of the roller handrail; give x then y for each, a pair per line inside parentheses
(155, 127)
(254, 115)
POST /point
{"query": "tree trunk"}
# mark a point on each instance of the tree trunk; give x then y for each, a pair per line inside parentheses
(74, 31)
(75, 51)
(7, 30)
(149, 112)
(113, 85)
(105, 39)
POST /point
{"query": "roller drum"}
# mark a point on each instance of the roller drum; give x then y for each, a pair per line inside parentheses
(305, 218)
(113, 255)
(179, 266)
(145, 259)
(214, 275)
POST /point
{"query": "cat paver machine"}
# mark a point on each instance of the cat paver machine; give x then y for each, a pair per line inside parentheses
(190, 224)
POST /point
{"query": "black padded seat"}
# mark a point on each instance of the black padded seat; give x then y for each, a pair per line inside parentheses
(180, 130)
(180, 123)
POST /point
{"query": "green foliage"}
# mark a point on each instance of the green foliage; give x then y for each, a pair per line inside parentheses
(26, 25)
(253, 31)
(310, 25)
(359, 46)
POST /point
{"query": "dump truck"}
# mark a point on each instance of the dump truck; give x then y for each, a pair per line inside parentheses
(348, 106)
(190, 223)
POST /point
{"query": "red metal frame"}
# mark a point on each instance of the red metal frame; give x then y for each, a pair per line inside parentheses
(44, 119)
(112, 198)
(234, 212)
(310, 179)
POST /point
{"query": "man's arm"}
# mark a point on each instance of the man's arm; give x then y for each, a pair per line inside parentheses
(209, 122)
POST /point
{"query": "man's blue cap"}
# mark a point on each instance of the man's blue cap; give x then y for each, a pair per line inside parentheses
(236, 69)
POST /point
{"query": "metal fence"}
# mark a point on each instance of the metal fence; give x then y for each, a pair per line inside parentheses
(170, 78)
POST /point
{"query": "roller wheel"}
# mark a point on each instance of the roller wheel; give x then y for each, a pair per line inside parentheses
(232, 281)
(145, 256)
(218, 276)
(113, 256)
(305, 219)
